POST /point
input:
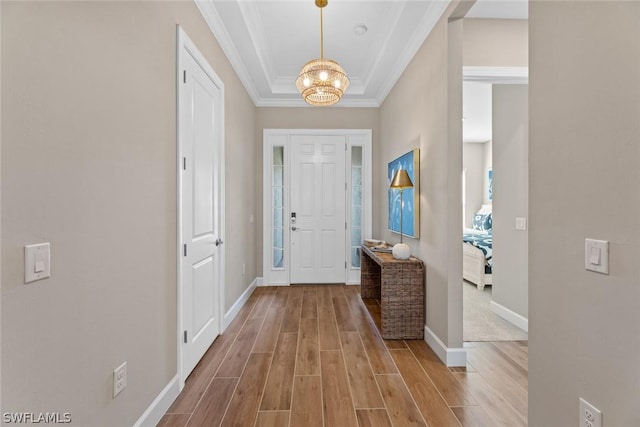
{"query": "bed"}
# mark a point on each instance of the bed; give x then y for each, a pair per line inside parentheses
(478, 249)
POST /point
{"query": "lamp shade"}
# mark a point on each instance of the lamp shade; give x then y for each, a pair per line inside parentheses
(401, 180)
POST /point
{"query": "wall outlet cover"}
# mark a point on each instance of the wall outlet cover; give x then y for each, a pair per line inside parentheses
(119, 379)
(590, 416)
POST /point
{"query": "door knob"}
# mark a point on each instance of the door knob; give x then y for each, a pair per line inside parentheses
(219, 242)
(294, 228)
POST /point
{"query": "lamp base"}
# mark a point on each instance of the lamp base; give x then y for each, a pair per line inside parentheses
(401, 251)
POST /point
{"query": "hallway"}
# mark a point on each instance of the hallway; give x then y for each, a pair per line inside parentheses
(313, 356)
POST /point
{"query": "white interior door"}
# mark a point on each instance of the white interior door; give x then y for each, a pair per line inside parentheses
(200, 192)
(317, 209)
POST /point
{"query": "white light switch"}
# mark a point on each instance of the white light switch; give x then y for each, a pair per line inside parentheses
(596, 255)
(37, 262)
(39, 265)
(521, 223)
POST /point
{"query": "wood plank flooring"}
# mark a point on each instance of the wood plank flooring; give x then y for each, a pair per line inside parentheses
(312, 356)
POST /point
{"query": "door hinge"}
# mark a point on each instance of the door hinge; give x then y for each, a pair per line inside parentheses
(345, 186)
(345, 265)
(184, 247)
(345, 146)
(345, 225)
(184, 163)
(185, 337)
(184, 76)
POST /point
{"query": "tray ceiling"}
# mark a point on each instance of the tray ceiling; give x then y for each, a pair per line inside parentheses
(268, 42)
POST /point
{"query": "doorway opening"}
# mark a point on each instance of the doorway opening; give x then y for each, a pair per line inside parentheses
(494, 158)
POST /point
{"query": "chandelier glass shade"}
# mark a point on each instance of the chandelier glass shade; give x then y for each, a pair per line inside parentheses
(322, 81)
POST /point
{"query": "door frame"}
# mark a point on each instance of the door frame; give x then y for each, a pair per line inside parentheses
(492, 75)
(186, 47)
(282, 137)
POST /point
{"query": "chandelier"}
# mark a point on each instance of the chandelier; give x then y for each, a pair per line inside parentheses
(322, 81)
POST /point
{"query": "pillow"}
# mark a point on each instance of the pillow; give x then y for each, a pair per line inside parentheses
(482, 222)
(485, 209)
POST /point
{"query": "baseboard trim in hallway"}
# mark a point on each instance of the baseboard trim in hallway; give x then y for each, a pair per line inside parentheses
(235, 308)
(451, 357)
(510, 316)
(154, 413)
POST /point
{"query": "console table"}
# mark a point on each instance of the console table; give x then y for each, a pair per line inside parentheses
(399, 286)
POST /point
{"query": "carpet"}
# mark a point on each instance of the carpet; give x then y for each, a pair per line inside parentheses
(480, 323)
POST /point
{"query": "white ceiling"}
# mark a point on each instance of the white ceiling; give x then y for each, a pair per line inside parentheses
(269, 41)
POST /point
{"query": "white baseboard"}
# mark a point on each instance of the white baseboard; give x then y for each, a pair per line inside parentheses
(235, 308)
(153, 414)
(260, 282)
(510, 316)
(151, 417)
(449, 356)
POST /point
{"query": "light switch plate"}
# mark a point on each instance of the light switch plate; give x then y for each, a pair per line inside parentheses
(521, 223)
(37, 262)
(596, 255)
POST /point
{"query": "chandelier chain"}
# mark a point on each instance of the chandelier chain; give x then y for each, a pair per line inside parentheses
(321, 36)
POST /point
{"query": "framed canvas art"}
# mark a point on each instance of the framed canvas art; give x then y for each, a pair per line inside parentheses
(410, 198)
(490, 184)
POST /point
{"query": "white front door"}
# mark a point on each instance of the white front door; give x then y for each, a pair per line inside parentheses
(317, 209)
(200, 142)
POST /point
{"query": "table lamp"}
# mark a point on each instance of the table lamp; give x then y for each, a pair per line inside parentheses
(401, 181)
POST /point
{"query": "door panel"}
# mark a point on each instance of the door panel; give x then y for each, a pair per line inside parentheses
(200, 262)
(318, 201)
(202, 312)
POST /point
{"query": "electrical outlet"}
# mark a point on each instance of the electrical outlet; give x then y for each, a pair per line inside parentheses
(119, 379)
(590, 416)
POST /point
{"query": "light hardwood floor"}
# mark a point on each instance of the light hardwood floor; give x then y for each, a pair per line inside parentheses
(306, 356)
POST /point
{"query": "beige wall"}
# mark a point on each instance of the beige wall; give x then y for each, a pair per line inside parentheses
(431, 121)
(416, 114)
(473, 164)
(584, 150)
(88, 164)
(511, 197)
(309, 118)
(0, 209)
(496, 42)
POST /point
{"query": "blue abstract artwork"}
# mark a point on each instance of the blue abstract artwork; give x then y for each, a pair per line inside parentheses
(490, 185)
(410, 196)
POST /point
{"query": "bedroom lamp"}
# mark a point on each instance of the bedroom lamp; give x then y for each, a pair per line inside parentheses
(401, 181)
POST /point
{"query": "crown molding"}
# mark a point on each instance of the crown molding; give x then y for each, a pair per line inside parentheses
(255, 30)
(299, 102)
(211, 16)
(501, 75)
(428, 21)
